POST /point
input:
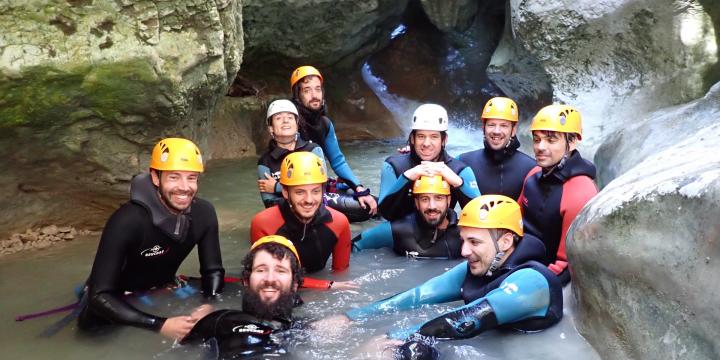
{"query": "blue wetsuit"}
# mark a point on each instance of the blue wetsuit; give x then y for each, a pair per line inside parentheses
(395, 188)
(412, 236)
(522, 294)
(315, 126)
(499, 172)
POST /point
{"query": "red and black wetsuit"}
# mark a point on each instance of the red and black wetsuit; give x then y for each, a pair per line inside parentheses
(141, 249)
(551, 200)
(499, 171)
(327, 233)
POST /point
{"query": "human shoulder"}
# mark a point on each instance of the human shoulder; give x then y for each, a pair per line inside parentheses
(202, 205)
(338, 219)
(468, 156)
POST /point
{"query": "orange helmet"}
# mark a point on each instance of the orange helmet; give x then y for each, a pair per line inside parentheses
(500, 108)
(431, 185)
(277, 239)
(302, 72)
(176, 154)
(492, 212)
(302, 168)
(560, 118)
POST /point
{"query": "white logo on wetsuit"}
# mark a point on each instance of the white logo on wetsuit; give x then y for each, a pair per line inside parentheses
(156, 250)
(249, 329)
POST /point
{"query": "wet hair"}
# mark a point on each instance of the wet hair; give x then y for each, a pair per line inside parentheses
(278, 252)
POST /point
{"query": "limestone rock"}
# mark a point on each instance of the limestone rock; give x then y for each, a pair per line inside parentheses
(86, 89)
(49, 230)
(618, 59)
(450, 15)
(656, 132)
(644, 255)
(317, 31)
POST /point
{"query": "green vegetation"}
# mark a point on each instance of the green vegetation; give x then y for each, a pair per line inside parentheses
(45, 96)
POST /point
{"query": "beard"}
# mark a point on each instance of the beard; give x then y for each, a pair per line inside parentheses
(280, 309)
(435, 222)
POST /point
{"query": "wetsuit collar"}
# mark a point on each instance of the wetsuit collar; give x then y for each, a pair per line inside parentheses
(279, 153)
(570, 166)
(144, 193)
(501, 155)
(528, 248)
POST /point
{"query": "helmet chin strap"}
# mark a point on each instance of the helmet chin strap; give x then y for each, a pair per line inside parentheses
(497, 260)
(287, 142)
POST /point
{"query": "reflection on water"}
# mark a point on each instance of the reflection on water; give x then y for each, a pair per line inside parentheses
(42, 280)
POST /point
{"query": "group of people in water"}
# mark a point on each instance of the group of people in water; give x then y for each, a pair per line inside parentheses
(511, 231)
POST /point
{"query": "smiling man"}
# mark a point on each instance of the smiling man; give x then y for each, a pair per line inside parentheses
(499, 167)
(271, 277)
(430, 231)
(316, 230)
(145, 241)
(306, 84)
(559, 187)
(502, 283)
(427, 157)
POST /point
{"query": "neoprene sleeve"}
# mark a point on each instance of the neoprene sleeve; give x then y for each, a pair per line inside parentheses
(377, 237)
(337, 159)
(524, 294)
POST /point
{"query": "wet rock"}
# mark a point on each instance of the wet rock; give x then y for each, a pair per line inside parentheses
(656, 132)
(49, 230)
(618, 60)
(318, 32)
(29, 237)
(642, 252)
(450, 15)
(114, 77)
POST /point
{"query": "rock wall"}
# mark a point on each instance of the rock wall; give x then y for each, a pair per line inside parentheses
(656, 132)
(645, 251)
(616, 60)
(300, 32)
(87, 87)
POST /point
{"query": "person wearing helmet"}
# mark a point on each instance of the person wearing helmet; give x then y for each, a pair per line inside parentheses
(146, 239)
(271, 277)
(429, 232)
(503, 283)
(306, 84)
(560, 186)
(316, 230)
(427, 157)
(282, 124)
(499, 167)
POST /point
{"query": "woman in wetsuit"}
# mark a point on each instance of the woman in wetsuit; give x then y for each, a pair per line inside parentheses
(282, 124)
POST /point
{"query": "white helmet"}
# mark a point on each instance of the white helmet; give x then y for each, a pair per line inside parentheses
(279, 106)
(430, 117)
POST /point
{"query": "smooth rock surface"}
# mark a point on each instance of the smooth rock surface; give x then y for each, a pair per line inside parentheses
(616, 60)
(655, 132)
(645, 254)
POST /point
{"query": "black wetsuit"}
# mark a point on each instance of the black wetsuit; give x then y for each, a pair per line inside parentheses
(238, 334)
(412, 236)
(270, 162)
(499, 172)
(141, 248)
